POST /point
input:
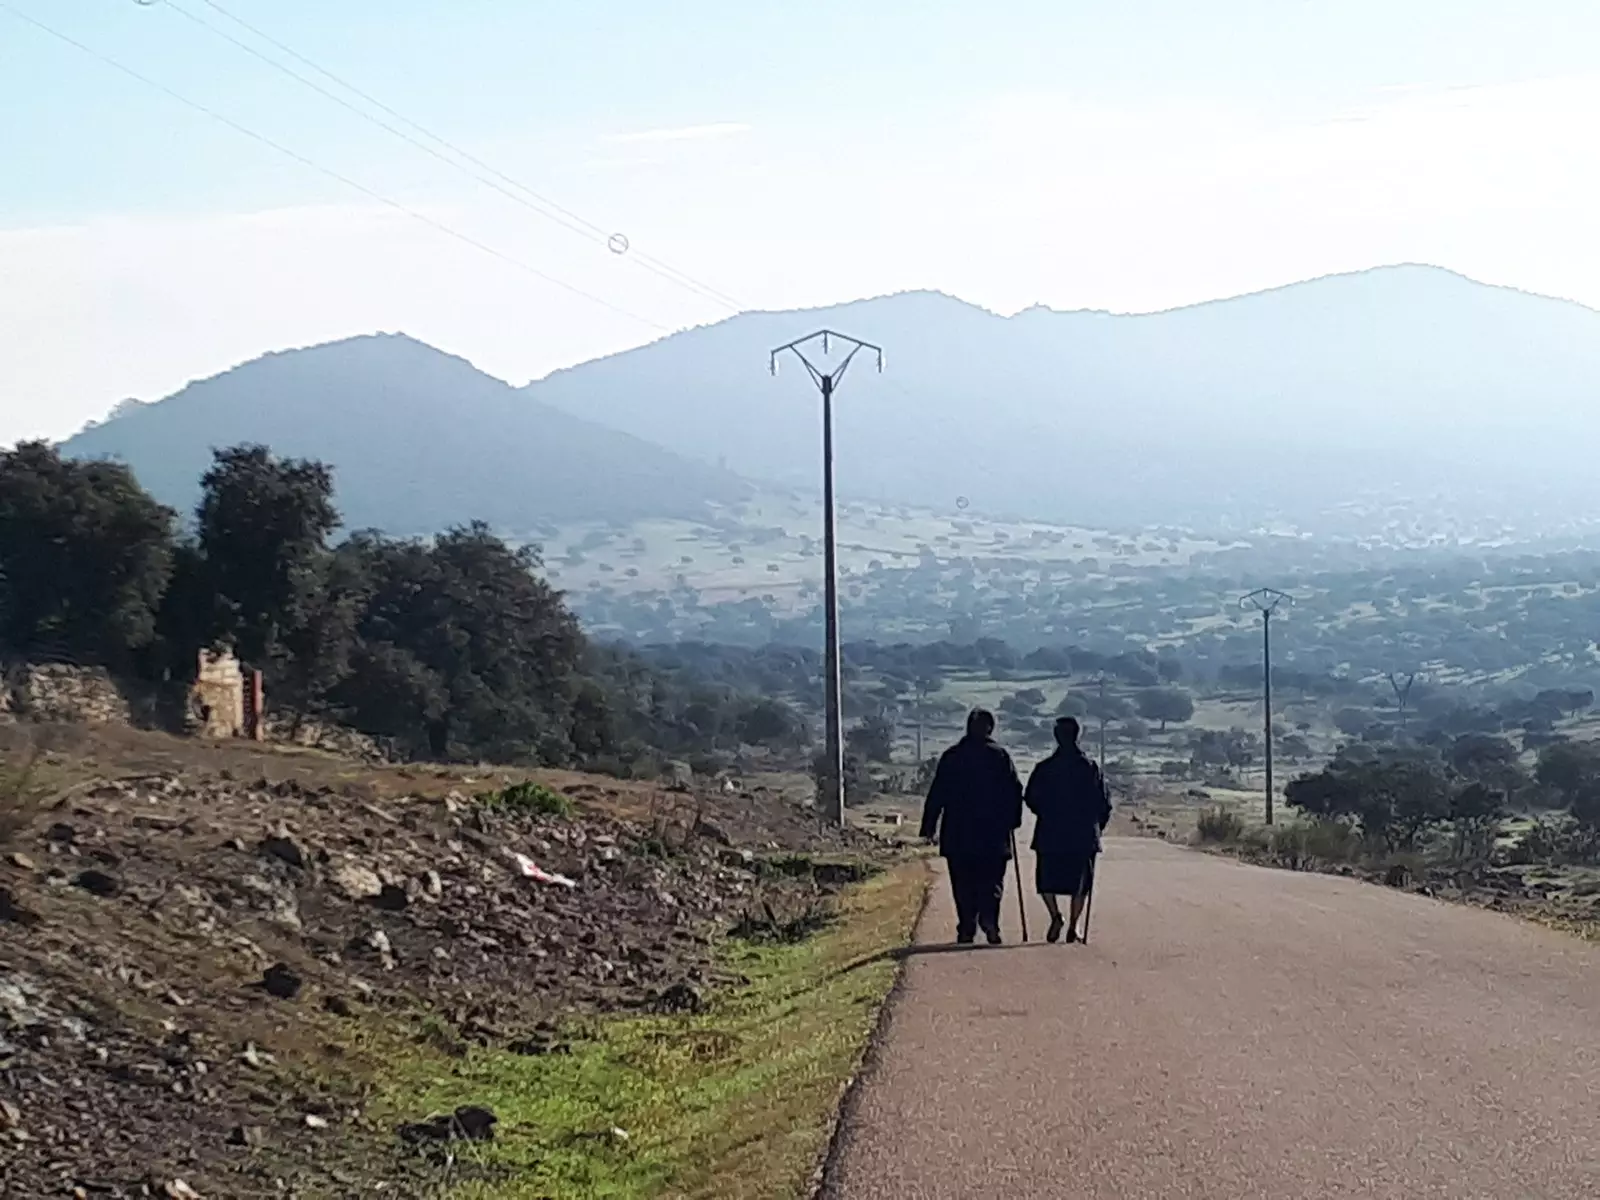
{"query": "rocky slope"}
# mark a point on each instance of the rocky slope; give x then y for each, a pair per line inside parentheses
(200, 978)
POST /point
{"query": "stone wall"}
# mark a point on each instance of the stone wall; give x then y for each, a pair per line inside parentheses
(59, 693)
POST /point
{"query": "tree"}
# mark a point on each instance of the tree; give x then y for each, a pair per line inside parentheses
(85, 557)
(480, 629)
(1165, 704)
(767, 722)
(872, 740)
(1489, 760)
(1049, 658)
(1018, 704)
(1568, 768)
(1352, 722)
(264, 523)
(1072, 705)
(1394, 797)
(1476, 812)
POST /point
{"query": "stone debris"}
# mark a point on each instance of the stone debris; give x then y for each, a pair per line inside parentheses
(161, 935)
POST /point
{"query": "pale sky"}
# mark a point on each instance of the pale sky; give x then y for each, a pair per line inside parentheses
(1121, 154)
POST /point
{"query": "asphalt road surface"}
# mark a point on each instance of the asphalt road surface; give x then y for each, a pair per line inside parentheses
(1230, 1033)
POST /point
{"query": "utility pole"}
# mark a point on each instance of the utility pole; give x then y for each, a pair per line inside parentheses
(827, 381)
(1266, 601)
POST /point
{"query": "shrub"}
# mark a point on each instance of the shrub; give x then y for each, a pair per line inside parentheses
(1220, 825)
(528, 799)
(1304, 845)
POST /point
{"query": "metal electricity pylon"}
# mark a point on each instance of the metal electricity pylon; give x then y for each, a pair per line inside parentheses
(1402, 694)
(1266, 602)
(827, 381)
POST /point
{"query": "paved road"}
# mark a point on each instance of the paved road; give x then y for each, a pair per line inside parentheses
(1232, 1032)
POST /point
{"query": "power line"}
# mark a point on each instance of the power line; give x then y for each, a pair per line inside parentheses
(485, 173)
(264, 140)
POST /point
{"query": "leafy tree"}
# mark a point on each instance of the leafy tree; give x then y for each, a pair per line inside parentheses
(264, 523)
(1352, 722)
(85, 556)
(1394, 797)
(1568, 768)
(1049, 658)
(1073, 704)
(1165, 704)
(872, 740)
(484, 632)
(768, 722)
(1476, 811)
(1489, 760)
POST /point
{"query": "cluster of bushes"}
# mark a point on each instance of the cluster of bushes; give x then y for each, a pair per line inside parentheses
(450, 647)
(1453, 801)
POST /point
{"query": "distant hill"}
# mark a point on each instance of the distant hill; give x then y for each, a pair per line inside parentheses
(1393, 384)
(421, 440)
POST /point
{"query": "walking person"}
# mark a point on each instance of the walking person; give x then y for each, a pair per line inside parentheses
(975, 806)
(1068, 796)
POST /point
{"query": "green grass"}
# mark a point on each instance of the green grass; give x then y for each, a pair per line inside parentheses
(737, 1101)
(529, 798)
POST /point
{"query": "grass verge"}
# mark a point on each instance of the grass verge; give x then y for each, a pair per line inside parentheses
(735, 1102)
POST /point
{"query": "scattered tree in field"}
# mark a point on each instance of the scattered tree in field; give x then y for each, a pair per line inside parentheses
(1073, 704)
(872, 740)
(1352, 722)
(1165, 704)
(1393, 798)
(1569, 768)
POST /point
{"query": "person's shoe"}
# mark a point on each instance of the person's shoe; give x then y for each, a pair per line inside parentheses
(963, 938)
(1053, 934)
(993, 936)
(1072, 935)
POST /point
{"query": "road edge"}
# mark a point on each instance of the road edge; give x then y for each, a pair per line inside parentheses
(823, 1185)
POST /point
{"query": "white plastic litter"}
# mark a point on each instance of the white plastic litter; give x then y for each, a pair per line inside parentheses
(532, 870)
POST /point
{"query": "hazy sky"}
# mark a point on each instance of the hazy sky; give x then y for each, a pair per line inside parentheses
(1122, 154)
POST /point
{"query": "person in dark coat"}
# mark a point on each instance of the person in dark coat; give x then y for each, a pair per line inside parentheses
(1068, 796)
(975, 805)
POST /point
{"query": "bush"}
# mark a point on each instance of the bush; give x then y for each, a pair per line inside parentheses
(1220, 826)
(528, 799)
(1305, 845)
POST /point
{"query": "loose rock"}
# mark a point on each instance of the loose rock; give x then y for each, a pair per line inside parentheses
(282, 981)
(98, 883)
(356, 882)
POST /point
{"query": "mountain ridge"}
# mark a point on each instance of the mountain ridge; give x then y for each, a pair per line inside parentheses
(407, 429)
(1286, 403)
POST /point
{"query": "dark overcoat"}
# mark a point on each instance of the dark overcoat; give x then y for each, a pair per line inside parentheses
(975, 801)
(1070, 802)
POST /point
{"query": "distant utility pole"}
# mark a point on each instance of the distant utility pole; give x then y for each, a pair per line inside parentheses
(827, 381)
(1266, 602)
(1402, 694)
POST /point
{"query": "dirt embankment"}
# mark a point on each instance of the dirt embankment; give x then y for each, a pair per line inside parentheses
(200, 977)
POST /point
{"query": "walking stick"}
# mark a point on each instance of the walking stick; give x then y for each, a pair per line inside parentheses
(1022, 908)
(1088, 904)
